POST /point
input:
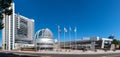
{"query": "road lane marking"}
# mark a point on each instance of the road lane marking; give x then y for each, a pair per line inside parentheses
(45, 56)
(104, 56)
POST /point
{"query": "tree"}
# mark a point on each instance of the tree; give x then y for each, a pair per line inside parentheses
(115, 42)
(4, 9)
(111, 36)
(119, 42)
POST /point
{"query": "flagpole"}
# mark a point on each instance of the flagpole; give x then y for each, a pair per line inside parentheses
(59, 37)
(65, 30)
(75, 38)
(64, 39)
(70, 40)
(70, 36)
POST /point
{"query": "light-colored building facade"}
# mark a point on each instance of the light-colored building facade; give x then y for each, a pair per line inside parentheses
(90, 43)
(24, 29)
(17, 29)
(8, 32)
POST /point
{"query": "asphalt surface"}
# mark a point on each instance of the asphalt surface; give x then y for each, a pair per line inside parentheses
(58, 55)
(74, 55)
(88, 55)
(81, 55)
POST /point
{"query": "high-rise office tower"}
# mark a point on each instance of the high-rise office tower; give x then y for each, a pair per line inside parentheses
(17, 29)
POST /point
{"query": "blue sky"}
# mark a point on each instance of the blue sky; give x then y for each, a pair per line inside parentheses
(91, 17)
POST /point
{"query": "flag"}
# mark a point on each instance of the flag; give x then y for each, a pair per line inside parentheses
(70, 29)
(65, 30)
(59, 30)
(75, 29)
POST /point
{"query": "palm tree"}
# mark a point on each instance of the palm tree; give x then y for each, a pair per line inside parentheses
(4, 9)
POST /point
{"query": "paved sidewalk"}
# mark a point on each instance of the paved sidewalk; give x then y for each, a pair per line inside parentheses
(78, 52)
(65, 52)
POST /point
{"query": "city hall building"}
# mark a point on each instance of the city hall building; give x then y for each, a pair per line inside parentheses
(17, 30)
(44, 39)
(89, 43)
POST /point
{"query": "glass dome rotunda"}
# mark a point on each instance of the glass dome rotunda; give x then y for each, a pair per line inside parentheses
(44, 39)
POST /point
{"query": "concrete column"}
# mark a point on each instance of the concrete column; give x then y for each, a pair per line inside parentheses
(102, 46)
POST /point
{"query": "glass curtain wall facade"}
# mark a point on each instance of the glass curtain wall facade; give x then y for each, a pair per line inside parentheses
(44, 39)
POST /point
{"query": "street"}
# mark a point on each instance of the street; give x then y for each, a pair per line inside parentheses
(74, 55)
(82, 55)
(60, 54)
